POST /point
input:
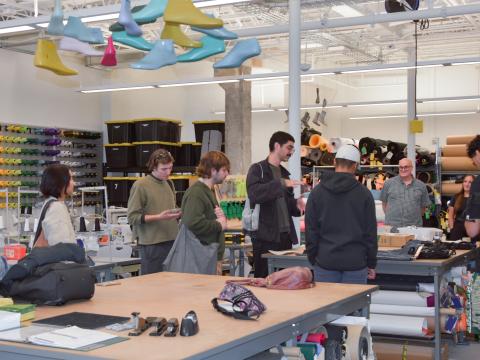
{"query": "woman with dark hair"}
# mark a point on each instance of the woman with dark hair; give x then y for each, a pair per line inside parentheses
(57, 183)
(456, 208)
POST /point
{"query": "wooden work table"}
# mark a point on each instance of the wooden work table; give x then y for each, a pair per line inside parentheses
(288, 314)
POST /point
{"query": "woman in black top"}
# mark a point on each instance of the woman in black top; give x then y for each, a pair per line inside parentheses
(456, 208)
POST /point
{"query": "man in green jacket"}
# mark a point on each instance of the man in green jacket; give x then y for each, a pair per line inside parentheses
(201, 213)
(152, 213)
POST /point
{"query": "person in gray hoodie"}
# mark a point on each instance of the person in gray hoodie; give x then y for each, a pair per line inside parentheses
(340, 224)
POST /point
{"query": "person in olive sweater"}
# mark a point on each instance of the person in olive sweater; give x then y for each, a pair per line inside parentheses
(152, 214)
(200, 211)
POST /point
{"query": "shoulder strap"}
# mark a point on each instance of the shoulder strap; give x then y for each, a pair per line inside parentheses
(261, 168)
(42, 216)
(170, 183)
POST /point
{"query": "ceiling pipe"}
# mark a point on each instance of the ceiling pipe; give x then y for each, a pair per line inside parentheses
(365, 20)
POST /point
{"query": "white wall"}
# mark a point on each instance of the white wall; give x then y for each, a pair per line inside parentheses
(38, 97)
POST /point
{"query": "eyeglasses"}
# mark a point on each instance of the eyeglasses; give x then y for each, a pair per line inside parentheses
(404, 167)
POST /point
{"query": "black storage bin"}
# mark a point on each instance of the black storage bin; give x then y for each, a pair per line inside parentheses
(118, 189)
(204, 125)
(120, 131)
(120, 155)
(144, 149)
(181, 182)
(175, 131)
(153, 130)
(188, 154)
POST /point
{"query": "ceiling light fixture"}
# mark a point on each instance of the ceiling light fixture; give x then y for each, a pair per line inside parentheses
(405, 116)
(207, 3)
(16, 29)
(117, 89)
(194, 83)
(100, 17)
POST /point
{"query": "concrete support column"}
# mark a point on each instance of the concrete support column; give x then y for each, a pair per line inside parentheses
(238, 119)
(411, 104)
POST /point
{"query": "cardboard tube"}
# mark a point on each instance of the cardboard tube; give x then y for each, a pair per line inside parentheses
(458, 164)
(449, 188)
(454, 150)
(304, 151)
(459, 139)
(358, 343)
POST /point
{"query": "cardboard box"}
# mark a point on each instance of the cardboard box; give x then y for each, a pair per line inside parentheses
(394, 351)
(393, 240)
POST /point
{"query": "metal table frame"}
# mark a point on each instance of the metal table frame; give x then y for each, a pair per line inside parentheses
(246, 346)
(435, 268)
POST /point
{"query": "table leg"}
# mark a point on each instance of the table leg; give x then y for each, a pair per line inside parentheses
(271, 266)
(241, 262)
(231, 258)
(438, 335)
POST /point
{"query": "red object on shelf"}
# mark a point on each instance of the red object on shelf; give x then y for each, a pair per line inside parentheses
(15, 251)
(109, 57)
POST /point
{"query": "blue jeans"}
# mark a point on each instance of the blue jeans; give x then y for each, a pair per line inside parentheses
(346, 277)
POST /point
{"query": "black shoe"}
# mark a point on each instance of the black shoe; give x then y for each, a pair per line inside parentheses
(172, 327)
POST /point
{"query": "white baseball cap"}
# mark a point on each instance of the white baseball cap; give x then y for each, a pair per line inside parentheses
(349, 152)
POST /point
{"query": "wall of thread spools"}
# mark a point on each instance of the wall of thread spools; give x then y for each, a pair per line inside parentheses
(26, 150)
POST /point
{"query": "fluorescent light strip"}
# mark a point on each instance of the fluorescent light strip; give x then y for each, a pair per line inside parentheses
(16, 29)
(321, 107)
(100, 17)
(198, 83)
(207, 3)
(447, 100)
(268, 78)
(117, 89)
(262, 110)
(377, 104)
(404, 116)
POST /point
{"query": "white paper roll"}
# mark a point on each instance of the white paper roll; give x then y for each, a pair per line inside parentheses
(398, 325)
(391, 297)
(336, 143)
(2, 225)
(402, 310)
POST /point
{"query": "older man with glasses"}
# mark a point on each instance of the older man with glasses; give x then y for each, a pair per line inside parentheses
(404, 198)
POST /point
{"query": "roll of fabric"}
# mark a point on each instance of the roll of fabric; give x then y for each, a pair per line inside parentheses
(304, 151)
(327, 159)
(399, 298)
(398, 325)
(317, 141)
(425, 159)
(424, 177)
(315, 155)
(396, 147)
(458, 164)
(402, 310)
(358, 343)
(459, 139)
(454, 150)
(447, 321)
(336, 143)
(367, 144)
(450, 188)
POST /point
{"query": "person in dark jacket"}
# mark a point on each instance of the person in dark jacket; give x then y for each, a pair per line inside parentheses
(340, 224)
(472, 212)
(269, 184)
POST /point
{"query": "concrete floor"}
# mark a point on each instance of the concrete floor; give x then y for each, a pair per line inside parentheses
(464, 352)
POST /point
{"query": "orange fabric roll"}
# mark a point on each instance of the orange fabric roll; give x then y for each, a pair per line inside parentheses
(449, 188)
(454, 150)
(460, 163)
(316, 141)
(459, 139)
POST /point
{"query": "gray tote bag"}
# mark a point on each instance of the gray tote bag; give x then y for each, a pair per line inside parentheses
(189, 255)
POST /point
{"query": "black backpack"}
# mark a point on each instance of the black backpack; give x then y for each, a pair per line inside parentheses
(55, 284)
